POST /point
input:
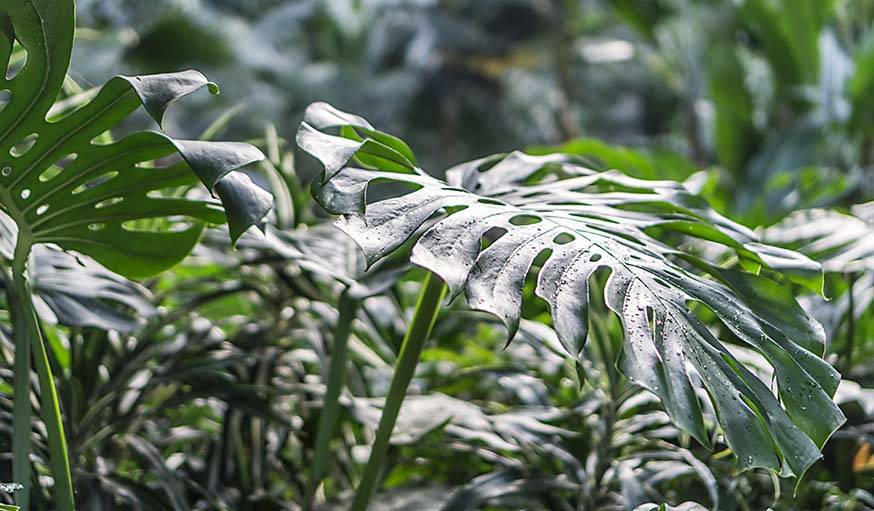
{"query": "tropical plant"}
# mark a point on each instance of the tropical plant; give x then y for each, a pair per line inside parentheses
(844, 243)
(651, 337)
(63, 183)
(499, 218)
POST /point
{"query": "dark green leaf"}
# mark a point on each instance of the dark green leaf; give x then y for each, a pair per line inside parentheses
(61, 187)
(583, 221)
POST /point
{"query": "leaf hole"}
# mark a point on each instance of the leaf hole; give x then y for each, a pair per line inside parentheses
(7, 171)
(97, 181)
(563, 238)
(531, 195)
(159, 224)
(42, 209)
(383, 189)
(673, 274)
(17, 62)
(23, 146)
(525, 220)
(54, 169)
(490, 236)
(25, 194)
(533, 306)
(104, 138)
(489, 163)
(650, 318)
(490, 202)
(5, 98)
(96, 227)
(108, 202)
(595, 258)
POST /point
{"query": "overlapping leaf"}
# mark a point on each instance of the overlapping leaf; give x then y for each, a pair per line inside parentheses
(100, 297)
(106, 200)
(842, 242)
(327, 253)
(577, 221)
(509, 431)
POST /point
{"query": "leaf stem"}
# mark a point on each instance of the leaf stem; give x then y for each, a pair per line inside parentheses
(851, 322)
(418, 332)
(348, 307)
(601, 335)
(27, 327)
(22, 410)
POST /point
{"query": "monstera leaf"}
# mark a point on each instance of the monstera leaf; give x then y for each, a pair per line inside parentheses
(61, 186)
(567, 222)
(842, 242)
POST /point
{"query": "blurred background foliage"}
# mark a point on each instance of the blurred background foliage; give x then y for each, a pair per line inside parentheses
(742, 85)
(208, 396)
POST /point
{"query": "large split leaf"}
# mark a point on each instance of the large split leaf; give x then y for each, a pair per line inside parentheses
(107, 200)
(842, 242)
(577, 221)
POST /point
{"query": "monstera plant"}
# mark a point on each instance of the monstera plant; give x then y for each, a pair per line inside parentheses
(844, 243)
(64, 182)
(496, 220)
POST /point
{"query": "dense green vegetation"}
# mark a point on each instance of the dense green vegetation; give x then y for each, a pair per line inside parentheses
(580, 255)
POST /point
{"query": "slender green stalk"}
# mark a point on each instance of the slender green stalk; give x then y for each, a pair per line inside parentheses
(27, 322)
(851, 323)
(22, 410)
(405, 367)
(601, 335)
(331, 408)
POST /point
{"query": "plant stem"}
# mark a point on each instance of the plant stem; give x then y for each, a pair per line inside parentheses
(22, 409)
(601, 335)
(418, 332)
(27, 322)
(599, 332)
(851, 322)
(331, 408)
